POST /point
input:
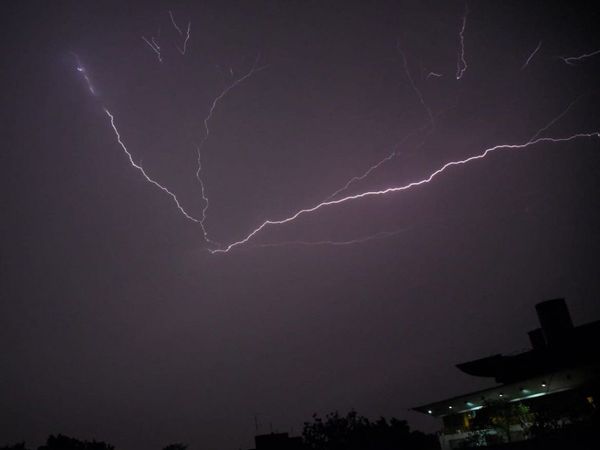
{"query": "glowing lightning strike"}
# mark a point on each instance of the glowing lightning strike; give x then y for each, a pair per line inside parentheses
(175, 24)
(187, 35)
(357, 178)
(414, 86)
(154, 46)
(403, 187)
(81, 69)
(572, 59)
(553, 121)
(213, 106)
(143, 172)
(461, 64)
(217, 99)
(187, 38)
(361, 240)
(205, 200)
(378, 164)
(531, 56)
(204, 197)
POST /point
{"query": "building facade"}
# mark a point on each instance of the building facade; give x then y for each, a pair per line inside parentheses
(553, 385)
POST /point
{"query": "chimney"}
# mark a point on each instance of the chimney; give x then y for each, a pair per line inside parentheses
(537, 339)
(555, 320)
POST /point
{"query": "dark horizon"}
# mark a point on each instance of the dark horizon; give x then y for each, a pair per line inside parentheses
(118, 323)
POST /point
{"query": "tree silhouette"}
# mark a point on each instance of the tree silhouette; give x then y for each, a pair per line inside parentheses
(354, 432)
(19, 446)
(61, 442)
(177, 446)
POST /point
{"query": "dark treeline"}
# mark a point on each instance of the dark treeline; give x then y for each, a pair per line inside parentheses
(355, 432)
(62, 442)
(334, 432)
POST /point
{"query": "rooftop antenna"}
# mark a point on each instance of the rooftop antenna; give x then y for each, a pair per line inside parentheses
(256, 423)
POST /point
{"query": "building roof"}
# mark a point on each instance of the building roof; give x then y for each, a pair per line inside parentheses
(538, 386)
(556, 345)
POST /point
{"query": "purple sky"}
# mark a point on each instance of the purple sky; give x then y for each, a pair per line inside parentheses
(116, 323)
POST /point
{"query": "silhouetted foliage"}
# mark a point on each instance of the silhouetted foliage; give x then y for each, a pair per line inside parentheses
(354, 432)
(177, 446)
(61, 442)
(19, 446)
(499, 416)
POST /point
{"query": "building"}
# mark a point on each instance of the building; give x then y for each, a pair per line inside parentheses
(278, 441)
(551, 386)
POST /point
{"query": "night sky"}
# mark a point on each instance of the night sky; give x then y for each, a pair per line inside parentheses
(117, 322)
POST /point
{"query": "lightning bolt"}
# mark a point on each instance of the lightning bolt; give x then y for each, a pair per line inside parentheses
(187, 38)
(254, 69)
(143, 172)
(84, 73)
(572, 59)
(360, 240)
(205, 200)
(378, 164)
(414, 86)
(461, 63)
(187, 34)
(381, 162)
(405, 187)
(154, 46)
(553, 121)
(433, 74)
(175, 24)
(528, 60)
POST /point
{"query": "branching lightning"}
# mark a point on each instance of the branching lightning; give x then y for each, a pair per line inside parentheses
(202, 189)
(185, 37)
(414, 86)
(357, 178)
(360, 240)
(254, 69)
(377, 165)
(205, 200)
(553, 121)
(83, 71)
(175, 24)
(530, 57)
(394, 152)
(405, 187)
(461, 63)
(143, 172)
(335, 198)
(154, 46)
(574, 59)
